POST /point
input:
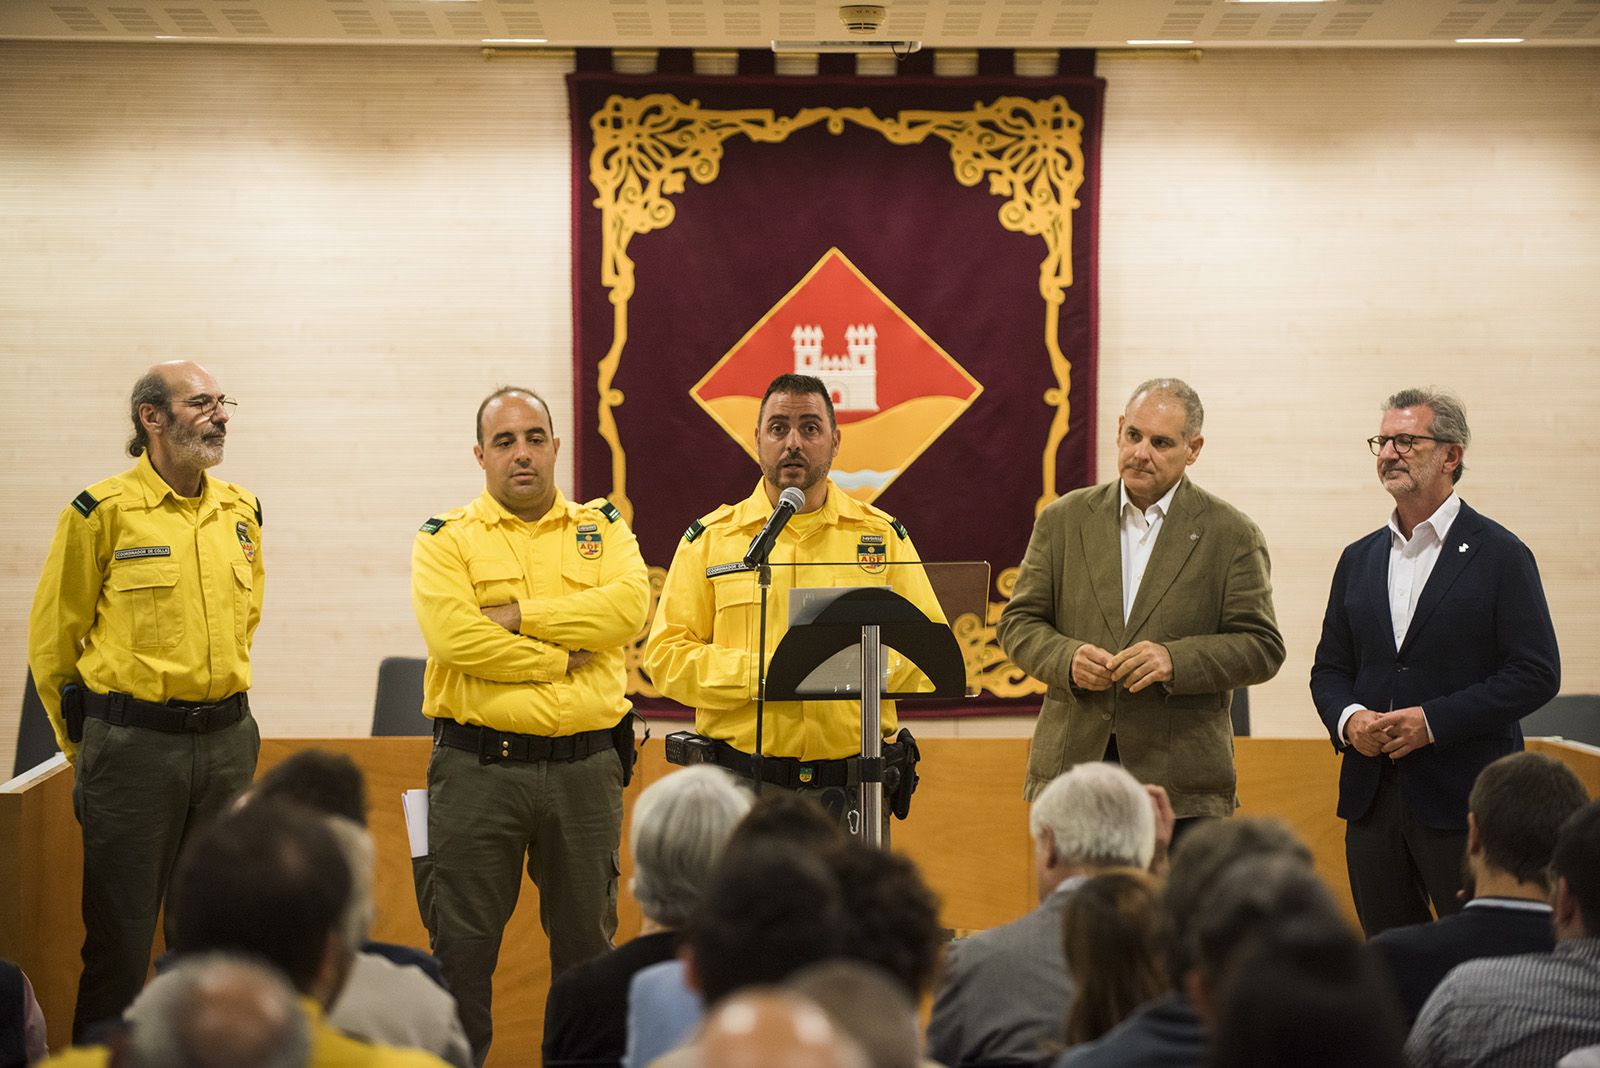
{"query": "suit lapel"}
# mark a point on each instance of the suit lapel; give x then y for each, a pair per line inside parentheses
(1455, 555)
(1102, 555)
(1180, 533)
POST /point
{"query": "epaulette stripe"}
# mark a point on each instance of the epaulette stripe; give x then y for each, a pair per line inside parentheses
(258, 511)
(609, 510)
(85, 503)
(900, 529)
(696, 529)
(433, 526)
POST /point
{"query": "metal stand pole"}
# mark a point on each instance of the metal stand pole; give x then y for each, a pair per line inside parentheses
(871, 829)
(764, 578)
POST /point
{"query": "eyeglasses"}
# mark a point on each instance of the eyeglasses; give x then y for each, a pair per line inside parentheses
(207, 403)
(1403, 443)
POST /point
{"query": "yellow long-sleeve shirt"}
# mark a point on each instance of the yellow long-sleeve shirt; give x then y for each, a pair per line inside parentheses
(702, 647)
(578, 578)
(148, 593)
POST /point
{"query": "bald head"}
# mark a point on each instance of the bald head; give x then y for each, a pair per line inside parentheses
(772, 1029)
(218, 1011)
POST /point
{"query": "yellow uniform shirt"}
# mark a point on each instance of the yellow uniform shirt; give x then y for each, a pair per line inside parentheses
(148, 593)
(580, 582)
(702, 644)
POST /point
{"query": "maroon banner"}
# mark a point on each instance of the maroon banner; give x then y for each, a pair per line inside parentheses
(925, 245)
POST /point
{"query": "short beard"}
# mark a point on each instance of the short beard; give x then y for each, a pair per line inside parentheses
(193, 448)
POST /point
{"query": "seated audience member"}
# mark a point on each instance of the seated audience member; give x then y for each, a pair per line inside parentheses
(867, 1004)
(1534, 1008)
(776, 1029)
(383, 1000)
(680, 825)
(22, 1031)
(1112, 951)
(1165, 1032)
(1279, 977)
(214, 1010)
(1515, 810)
(663, 1009)
(1005, 991)
(891, 916)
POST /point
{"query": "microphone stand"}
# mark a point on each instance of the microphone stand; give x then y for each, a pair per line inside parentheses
(764, 581)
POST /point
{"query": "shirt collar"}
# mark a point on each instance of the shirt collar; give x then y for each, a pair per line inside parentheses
(1161, 506)
(756, 508)
(1438, 523)
(1520, 904)
(492, 511)
(156, 488)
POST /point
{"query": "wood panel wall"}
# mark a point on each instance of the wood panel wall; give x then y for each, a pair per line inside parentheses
(361, 242)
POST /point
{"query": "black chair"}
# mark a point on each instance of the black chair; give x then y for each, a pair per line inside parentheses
(1241, 712)
(1575, 717)
(36, 741)
(397, 711)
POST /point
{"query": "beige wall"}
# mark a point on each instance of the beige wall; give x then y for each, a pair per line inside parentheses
(359, 242)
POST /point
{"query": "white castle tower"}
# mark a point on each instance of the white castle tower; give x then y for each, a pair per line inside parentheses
(852, 379)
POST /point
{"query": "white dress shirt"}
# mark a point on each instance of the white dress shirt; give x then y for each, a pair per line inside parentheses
(1139, 533)
(1411, 561)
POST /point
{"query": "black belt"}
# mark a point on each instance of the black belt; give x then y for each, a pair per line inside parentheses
(789, 773)
(491, 746)
(174, 717)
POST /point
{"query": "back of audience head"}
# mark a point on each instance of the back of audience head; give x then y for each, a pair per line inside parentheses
(775, 1029)
(1199, 860)
(268, 880)
(891, 916)
(320, 780)
(1515, 811)
(769, 910)
(867, 1004)
(680, 825)
(1575, 868)
(777, 816)
(1094, 815)
(1109, 933)
(215, 1010)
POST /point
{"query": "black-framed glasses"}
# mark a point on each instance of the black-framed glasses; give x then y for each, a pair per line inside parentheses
(207, 403)
(1403, 443)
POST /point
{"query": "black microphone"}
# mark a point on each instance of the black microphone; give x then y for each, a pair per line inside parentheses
(789, 502)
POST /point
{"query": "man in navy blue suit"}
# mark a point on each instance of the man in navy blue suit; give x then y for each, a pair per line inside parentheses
(1436, 642)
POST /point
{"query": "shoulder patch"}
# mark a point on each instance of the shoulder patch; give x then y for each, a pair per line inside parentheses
(696, 529)
(433, 526)
(85, 503)
(607, 509)
(900, 529)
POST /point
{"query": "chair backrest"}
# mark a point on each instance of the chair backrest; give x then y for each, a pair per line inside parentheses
(1241, 712)
(1574, 716)
(397, 710)
(36, 741)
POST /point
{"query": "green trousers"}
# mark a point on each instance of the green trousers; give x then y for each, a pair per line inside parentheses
(139, 796)
(563, 821)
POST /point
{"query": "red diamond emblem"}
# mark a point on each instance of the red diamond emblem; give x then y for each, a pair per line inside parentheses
(894, 389)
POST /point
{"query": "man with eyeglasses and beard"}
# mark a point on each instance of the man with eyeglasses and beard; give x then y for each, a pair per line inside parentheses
(1436, 642)
(139, 644)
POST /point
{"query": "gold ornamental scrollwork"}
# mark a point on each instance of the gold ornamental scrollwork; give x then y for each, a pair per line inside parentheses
(1030, 151)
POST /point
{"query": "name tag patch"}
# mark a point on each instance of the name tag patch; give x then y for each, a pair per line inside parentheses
(141, 552)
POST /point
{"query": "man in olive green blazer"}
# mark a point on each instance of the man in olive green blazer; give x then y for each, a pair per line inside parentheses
(1141, 604)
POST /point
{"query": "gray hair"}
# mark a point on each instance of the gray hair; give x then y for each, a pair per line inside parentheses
(867, 1004)
(1194, 413)
(151, 388)
(218, 1010)
(1449, 418)
(680, 824)
(1099, 814)
(355, 843)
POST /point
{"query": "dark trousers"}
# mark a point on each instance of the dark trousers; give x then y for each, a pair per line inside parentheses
(1398, 865)
(139, 795)
(561, 820)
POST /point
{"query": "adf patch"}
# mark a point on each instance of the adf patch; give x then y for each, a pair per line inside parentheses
(245, 543)
(589, 544)
(871, 555)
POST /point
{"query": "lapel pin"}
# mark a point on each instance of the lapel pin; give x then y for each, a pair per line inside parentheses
(1461, 548)
(1194, 537)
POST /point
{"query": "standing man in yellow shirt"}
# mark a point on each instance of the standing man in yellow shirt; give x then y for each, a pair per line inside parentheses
(702, 653)
(139, 643)
(527, 602)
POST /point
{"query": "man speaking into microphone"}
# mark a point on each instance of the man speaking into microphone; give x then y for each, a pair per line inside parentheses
(703, 645)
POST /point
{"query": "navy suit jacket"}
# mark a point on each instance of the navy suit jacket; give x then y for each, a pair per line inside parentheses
(1420, 956)
(1479, 655)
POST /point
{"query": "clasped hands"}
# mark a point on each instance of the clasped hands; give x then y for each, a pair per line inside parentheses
(1139, 665)
(1392, 734)
(509, 616)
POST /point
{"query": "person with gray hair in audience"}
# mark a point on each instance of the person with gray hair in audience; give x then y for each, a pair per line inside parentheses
(680, 825)
(1006, 990)
(218, 1010)
(867, 1004)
